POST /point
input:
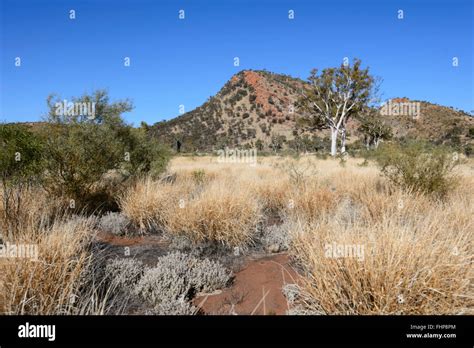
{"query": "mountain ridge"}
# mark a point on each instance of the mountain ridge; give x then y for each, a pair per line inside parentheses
(255, 106)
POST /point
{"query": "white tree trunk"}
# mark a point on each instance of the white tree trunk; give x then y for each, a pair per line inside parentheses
(343, 141)
(377, 143)
(333, 141)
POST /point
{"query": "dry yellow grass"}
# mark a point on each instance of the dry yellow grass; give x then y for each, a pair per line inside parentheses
(50, 283)
(222, 212)
(46, 265)
(216, 210)
(147, 201)
(404, 269)
(28, 207)
(417, 250)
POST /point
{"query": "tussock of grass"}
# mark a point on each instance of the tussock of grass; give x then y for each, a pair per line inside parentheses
(50, 284)
(146, 203)
(416, 261)
(221, 213)
(25, 207)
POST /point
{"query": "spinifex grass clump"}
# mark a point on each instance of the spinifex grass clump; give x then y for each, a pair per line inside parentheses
(148, 203)
(413, 256)
(51, 283)
(222, 210)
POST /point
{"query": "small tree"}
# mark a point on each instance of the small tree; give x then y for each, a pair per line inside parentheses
(259, 144)
(334, 96)
(277, 142)
(80, 149)
(374, 129)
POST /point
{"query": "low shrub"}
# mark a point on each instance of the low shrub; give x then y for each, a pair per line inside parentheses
(123, 274)
(176, 278)
(419, 166)
(114, 223)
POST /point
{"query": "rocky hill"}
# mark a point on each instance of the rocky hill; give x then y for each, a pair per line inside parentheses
(252, 105)
(256, 107)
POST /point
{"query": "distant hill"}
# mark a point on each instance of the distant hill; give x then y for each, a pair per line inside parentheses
(252, 105)
(435, 122)
(256, 105)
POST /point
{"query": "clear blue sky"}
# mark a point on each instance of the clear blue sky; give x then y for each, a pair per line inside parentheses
(177, 62)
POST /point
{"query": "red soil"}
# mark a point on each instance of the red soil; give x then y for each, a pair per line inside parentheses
(256, 289)
(114, 240)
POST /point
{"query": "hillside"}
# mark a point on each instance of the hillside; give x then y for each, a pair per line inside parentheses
(254, 106)
(256, 109)
(436, 123)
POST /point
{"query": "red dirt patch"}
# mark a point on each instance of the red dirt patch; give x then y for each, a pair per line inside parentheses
(112, 239)
(256, 290)
(261, 91)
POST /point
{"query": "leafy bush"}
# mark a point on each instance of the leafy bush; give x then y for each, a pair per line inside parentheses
(20, 163)
(79, 151)
(147, 155)
(20, 153)
(469, 150)
(419, 166)
(470, 133)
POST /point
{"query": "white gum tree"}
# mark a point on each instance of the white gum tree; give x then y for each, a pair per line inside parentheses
(335, 95)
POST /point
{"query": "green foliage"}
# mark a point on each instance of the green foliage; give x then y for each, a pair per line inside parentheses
(470, 133)
(419, 166)
(277, 142)
(469, 150)
(348, 85)
(20, 164)
(20, 154)
(80, 150)
(334, 96)
(374, 129)
(146, 154)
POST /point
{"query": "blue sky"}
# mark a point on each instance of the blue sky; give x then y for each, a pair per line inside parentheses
(176, 62)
